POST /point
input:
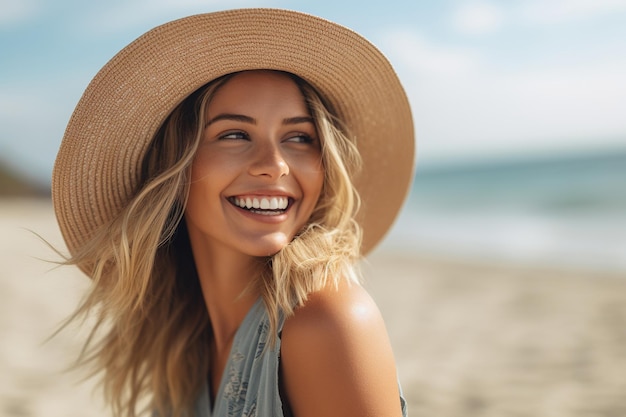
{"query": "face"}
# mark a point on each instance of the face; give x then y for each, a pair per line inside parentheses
(257, 174)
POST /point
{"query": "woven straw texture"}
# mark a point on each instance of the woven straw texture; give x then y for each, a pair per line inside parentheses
(98, 164)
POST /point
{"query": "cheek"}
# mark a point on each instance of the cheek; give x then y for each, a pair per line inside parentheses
(318, 183)
(196, 199)
(201, 167)
(314, 182)
(204, 182)
(212, 169)
(313, 189)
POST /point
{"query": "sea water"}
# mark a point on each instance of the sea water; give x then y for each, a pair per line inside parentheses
(567, 211)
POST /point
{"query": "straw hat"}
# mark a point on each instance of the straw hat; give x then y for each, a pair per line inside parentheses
(98, 165)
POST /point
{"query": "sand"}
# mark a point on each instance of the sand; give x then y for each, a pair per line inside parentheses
(470, 338)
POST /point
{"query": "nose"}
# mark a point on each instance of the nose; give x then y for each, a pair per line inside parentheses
(269, 162)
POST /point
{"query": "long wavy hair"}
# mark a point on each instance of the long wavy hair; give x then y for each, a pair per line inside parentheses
(151, 327)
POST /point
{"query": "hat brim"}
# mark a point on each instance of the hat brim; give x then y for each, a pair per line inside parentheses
(99, 161)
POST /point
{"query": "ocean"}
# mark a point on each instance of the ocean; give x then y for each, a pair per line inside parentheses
(566, 211)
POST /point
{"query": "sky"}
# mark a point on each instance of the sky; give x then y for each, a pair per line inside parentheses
(486, 80)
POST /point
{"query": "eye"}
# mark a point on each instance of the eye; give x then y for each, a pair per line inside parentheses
(236, 135)
(300, 138)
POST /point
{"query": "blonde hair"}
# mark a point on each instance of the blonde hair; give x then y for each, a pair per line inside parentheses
(151, 324)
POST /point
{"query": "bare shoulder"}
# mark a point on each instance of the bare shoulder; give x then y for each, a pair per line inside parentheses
(330, 310)
(336, 357)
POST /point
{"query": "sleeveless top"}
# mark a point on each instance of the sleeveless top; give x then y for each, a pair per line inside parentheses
(250, 383)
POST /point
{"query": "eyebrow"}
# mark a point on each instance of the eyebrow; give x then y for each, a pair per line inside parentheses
(230, 116)
(247, 119)
(297, 120)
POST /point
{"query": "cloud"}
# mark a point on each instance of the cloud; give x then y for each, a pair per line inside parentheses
(15, 12)
(33, 115)
(556, 11)
(466, 106)
(481, 17)
(19, 127)
(144, 14)
(477, 18)
(415, 52)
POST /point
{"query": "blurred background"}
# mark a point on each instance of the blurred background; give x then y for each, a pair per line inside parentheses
(503, 279)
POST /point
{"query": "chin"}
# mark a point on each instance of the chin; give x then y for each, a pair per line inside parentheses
(270, 246)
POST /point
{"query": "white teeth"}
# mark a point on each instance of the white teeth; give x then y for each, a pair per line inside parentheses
(262, 203)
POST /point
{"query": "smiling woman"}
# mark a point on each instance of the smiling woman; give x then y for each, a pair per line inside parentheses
(259, 146)
(216, 208)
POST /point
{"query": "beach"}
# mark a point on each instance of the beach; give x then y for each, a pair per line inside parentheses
(485, 339)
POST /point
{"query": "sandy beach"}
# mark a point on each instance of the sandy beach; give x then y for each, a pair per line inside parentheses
(470, 339)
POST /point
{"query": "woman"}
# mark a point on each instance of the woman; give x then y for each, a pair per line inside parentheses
(208, 182)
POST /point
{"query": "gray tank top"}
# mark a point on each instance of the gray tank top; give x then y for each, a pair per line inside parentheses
(250, 384)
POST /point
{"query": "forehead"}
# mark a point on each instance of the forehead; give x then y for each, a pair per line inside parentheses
(251, 89)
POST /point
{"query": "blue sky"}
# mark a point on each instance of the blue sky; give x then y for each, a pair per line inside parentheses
(486, 79)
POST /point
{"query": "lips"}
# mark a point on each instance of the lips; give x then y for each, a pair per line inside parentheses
(266, 205)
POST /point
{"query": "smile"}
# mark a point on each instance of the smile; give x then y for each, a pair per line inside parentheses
(269, 205)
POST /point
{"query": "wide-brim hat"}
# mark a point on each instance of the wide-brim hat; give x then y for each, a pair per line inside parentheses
(98, 166)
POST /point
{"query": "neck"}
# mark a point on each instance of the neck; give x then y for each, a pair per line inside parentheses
(227, 278)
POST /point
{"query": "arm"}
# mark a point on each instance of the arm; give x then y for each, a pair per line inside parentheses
(336, 357)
